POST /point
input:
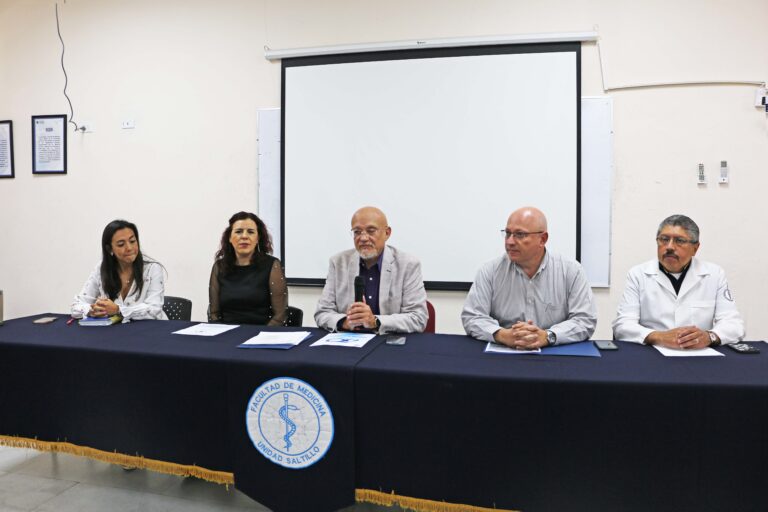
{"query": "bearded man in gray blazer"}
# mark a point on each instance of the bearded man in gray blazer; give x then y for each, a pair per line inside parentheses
(394, 299)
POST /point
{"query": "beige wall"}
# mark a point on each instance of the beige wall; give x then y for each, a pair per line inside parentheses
(192, 75)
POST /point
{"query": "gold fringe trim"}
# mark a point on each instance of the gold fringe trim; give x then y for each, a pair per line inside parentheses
(417, 504)
(225, 478)
(133, 461)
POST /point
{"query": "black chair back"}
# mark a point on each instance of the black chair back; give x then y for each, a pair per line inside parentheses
(295, 317)
(177, 308)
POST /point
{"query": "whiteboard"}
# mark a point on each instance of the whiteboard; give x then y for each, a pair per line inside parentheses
(447, 146)
(269, 193)
(596, 176)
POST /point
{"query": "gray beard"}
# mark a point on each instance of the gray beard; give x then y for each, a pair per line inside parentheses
(368, 254)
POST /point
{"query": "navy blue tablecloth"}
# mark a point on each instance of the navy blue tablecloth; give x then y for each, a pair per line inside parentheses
(327, 484)
(138, 389)
(632, 430)
(436, 419)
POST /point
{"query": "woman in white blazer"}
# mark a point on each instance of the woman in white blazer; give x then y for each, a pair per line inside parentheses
(125, 282)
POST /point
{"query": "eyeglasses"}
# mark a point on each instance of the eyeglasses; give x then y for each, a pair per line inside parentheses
(519, 235)
(676, 240)
(371, 232)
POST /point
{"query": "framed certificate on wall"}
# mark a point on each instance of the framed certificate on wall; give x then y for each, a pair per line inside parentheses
(49, 144)
(6, 149)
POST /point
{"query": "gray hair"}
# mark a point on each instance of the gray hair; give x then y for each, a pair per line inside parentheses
(684, 222)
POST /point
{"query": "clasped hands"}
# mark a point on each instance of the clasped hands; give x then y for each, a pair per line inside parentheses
(103, 307)
(522, 336)
(359, 316)
(680, 338)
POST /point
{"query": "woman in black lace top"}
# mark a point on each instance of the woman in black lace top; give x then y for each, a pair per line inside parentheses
(247, 283)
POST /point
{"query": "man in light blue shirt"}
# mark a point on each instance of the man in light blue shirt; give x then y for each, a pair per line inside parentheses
(529, 298)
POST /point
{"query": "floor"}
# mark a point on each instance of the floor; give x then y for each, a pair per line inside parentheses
(56, 482)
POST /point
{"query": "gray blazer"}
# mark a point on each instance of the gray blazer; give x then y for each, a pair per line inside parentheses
(402, 299)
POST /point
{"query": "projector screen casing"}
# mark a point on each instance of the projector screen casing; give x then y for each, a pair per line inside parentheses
(446, 142)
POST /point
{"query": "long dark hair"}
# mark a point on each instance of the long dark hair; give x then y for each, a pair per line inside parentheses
(110, 276)
(226, 253)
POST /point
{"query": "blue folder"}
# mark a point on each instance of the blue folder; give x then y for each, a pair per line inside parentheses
(582, 348)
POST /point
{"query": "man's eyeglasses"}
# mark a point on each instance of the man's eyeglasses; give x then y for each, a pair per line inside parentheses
(371, 232)
(519, 235)
(676, 240)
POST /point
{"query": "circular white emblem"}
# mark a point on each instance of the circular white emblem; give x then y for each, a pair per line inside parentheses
(289, 422)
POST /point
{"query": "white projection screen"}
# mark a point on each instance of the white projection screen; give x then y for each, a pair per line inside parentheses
(446, 142)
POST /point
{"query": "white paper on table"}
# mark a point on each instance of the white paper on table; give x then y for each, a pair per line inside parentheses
(503, 349)
(206, 329)
(278, 338)
(698, 352)
(344, 339)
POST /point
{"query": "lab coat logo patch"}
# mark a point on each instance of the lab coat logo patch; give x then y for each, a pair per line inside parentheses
(289, 422)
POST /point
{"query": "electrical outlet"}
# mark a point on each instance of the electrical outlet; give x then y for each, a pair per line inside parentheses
(128, 124)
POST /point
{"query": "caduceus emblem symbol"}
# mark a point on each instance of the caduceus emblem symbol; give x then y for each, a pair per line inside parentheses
(290, 426)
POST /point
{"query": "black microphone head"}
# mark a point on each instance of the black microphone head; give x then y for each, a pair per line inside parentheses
(359, 289)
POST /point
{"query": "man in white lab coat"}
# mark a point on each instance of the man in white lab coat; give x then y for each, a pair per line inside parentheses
(678, 301)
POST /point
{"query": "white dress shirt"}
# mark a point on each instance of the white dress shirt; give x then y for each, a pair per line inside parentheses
(146, 306)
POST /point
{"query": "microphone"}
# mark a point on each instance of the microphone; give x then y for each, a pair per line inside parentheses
(359, 289)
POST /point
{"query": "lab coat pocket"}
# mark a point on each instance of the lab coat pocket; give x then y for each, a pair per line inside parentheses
(702, 313)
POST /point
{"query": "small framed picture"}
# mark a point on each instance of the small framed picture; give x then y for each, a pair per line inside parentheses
(6, 150)
(49, 144)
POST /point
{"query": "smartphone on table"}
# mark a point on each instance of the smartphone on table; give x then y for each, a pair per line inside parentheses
(395, 339)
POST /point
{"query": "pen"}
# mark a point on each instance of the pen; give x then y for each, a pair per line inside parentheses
(71, 319)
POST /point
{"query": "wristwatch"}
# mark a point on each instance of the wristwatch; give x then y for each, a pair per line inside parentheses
(378, 323)
(714, 341)
(551, 338)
